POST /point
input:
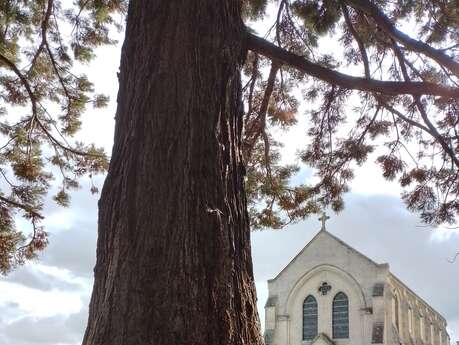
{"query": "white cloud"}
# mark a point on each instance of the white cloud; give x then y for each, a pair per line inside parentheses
(38, 303)
(56, 330)
(44, 278)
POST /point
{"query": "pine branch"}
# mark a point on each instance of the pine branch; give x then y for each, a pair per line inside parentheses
(364, 56)
(453, 260)
(417, 100)
(385, 24)
(430, 127)
(21, 206)
(44, 30)
(358, 39)
(33, 101)
(268, 49)
(259, 124)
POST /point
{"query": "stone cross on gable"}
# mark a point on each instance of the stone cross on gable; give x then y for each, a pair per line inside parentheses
(323, 218)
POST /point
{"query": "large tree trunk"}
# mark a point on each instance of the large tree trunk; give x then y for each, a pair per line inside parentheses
(173, 254)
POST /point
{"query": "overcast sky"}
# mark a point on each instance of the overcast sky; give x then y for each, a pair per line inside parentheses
(46, 303)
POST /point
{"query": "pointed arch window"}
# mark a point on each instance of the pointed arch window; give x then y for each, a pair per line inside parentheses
(340, 316)
(309, 318)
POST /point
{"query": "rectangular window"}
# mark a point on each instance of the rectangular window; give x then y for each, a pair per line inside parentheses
(378, 290)
(378, 333)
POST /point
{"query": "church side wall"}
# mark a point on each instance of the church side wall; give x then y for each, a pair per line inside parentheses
(418, 323)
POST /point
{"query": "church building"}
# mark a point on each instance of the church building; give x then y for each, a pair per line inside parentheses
(332, 294)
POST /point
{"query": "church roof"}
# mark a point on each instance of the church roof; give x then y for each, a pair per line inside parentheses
(329, 234)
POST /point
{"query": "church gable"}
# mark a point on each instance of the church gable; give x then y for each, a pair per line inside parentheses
(326, 259)
(325, 248)
(331, 294)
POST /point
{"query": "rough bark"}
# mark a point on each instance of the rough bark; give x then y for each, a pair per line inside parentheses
(173, 253)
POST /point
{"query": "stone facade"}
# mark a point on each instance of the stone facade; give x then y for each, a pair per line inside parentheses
(354, 301)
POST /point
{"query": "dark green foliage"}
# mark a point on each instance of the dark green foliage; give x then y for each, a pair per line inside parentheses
(274, 201)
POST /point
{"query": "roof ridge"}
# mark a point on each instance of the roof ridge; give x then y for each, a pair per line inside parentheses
(333, 237)
(298, 254)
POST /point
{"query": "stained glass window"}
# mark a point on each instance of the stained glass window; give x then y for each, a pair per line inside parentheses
(340, 316)
(309, 318)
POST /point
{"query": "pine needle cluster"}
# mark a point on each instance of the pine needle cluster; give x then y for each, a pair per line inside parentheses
(42, 100)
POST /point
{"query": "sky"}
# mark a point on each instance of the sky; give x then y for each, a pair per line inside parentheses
(46, 302)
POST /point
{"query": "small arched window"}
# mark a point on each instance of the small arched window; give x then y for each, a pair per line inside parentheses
(340, 316)
(309, 318)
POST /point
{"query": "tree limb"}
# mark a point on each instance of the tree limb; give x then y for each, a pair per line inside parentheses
(417, 100)
(385, 24)
(259, 124)
(44, 29)
(33, 101)
(21, 206)
(266, 48)
(358, 39)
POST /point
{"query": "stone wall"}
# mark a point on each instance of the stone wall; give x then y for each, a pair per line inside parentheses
(418, 322)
